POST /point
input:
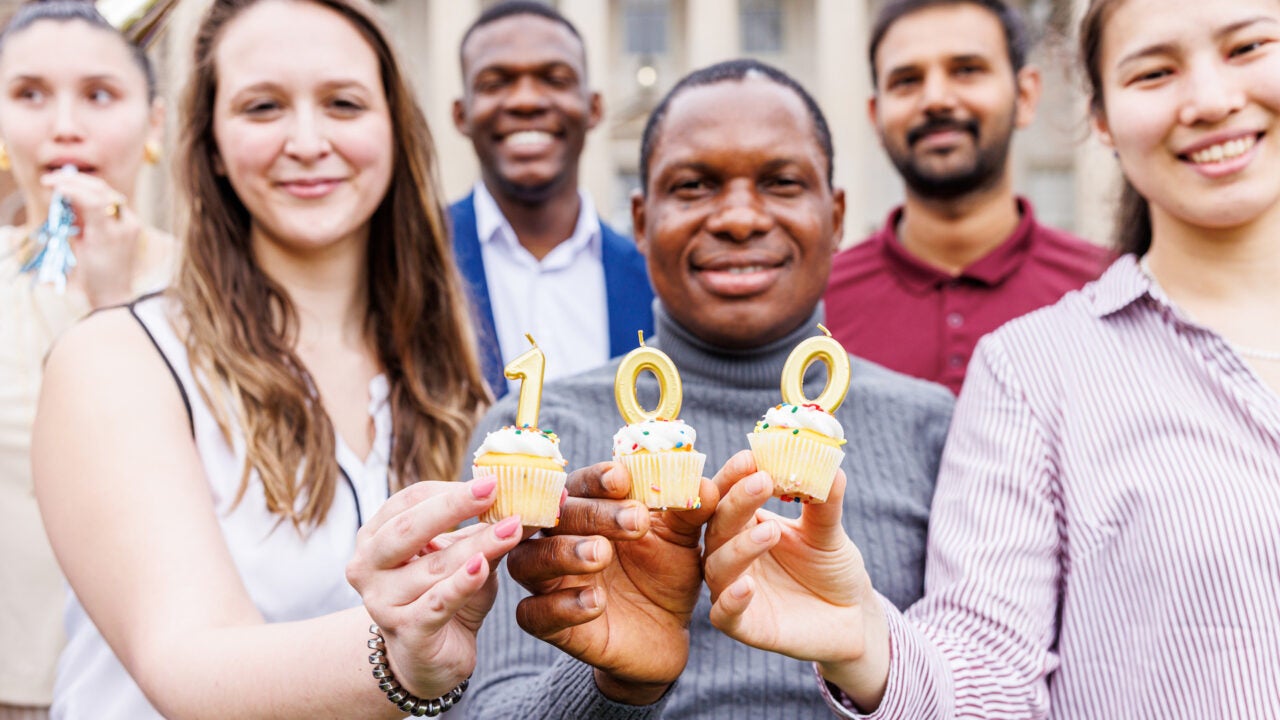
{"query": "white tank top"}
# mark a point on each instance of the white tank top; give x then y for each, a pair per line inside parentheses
(289, 577)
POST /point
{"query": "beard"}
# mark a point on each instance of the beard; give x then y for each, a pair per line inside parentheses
(982, 171)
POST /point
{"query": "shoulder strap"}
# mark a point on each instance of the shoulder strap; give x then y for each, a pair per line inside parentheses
(186, 401)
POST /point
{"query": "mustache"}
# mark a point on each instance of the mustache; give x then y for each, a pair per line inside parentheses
(940, 124)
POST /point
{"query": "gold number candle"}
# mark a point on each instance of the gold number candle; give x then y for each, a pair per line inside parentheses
(833, 355)
(670, 393)
(528, 369)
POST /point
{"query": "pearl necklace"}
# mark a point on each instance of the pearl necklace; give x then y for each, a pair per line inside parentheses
(1242, 350)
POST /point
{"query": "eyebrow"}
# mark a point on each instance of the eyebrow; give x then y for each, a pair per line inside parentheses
(265, 85)
(969, 57)
(1219, 34)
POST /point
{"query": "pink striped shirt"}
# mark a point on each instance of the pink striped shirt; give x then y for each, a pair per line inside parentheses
(1105, 538)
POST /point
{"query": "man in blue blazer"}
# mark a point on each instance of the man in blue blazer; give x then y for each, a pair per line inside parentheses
(536, 256)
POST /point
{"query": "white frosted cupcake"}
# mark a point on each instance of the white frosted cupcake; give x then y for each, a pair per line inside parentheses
(665, 469)
(799, 447)
(530, 472)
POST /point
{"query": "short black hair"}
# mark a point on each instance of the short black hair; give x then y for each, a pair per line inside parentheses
(729, 71)
(1017, 38)
(511, 8)
(30, 13)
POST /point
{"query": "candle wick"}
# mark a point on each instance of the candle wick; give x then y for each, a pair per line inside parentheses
(641, 334)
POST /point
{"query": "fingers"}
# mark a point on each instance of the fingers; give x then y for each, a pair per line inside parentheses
(548, 616)
(603, 480)
(538, 562)
(742, 464)
(821, 522)
(437, 606)
(686, 525)
(727, 611)
(96, 203)
(723, 567)
(438, 509)
(737, 506)
(615, 519)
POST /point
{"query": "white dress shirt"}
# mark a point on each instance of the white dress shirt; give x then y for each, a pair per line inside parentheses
(559, 300)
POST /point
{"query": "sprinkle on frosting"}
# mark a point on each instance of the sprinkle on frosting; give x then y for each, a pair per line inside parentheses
(654, 436)
(522, 440)
(809, 416)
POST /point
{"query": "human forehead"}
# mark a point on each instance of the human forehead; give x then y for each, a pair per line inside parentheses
(939, 33)
(737, 123)
(518, 42)
(284, 42)
(58, 48)
(1138, 27)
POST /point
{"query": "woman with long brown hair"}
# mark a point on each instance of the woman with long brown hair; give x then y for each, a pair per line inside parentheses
(205, 458)
(1103, 541)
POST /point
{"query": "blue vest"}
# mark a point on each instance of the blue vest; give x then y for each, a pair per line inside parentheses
(626, 286)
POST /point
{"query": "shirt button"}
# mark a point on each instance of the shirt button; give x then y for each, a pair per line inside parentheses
(955, 320)
(956, 361)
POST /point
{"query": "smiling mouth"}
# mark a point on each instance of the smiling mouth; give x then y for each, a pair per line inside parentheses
(739, 281)
(528, 139)
(1222, 152)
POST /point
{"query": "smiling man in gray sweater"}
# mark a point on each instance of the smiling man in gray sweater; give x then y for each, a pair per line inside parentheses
(738, 221)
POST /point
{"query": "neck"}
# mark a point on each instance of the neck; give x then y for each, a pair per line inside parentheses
(543, 225)
(753, 368)
(328, 288)
(1217, 264)
(953, 234)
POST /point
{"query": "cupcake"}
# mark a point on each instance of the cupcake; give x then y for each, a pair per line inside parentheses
(530, 472)
(799, 446)
(665, 469)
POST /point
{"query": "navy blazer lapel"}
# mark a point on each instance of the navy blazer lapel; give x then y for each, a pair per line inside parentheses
(627, 290)
(466, 251)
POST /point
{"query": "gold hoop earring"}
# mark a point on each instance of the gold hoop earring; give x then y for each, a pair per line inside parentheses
(5, 163)
(151, 152)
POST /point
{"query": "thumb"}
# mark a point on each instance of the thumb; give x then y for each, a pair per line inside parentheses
(822, 521)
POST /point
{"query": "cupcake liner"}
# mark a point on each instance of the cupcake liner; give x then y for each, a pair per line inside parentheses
(665, 480)
(532, 493)
(802, 469)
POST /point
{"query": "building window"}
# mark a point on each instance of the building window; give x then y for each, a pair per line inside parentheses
(646, 23)
(761, 22)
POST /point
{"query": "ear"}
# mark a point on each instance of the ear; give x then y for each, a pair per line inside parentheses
(638, 227)
(1030, 85)
(460, 117)
(871, 110)
(595, 110)
(837, 218)
(1098, 119)
(155, 121)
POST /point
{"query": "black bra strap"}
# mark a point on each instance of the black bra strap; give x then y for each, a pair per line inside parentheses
(186, 401)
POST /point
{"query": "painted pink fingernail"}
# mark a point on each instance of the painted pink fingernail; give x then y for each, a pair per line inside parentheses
(473, 565)
(507, 527)
(483, 488)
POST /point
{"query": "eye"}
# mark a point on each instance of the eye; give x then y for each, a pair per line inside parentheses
(785, 185)
(561, 78)
(30, 94)
(346, 106)
(690, 188)
(903, 82)
(101, 96)
(491, 82)
(1247, 48)
(261, 108)
(967, 69)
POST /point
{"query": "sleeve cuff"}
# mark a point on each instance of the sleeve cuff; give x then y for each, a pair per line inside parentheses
(580, 697)
(912, 685)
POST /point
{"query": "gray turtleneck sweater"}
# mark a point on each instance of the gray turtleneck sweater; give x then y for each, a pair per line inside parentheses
(895, 427)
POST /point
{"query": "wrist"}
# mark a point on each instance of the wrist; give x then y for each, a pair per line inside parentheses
(628, 692)
(864, 678)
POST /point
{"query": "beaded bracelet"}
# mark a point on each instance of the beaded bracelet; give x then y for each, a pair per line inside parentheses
(415, 706)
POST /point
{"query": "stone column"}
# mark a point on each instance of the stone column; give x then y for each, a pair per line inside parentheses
(596, 172)
(712, 32)
(843, 84)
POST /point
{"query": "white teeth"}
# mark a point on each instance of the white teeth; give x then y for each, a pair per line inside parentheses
(745, 270)
(528, 137)
(1224, 151)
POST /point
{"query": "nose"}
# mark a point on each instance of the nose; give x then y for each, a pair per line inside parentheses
(526, 95)
(936, 93)
(66, 120)
(1211, 93)
(740, 215)
(307, 140)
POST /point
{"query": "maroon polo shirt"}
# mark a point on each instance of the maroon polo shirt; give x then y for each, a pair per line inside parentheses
(888, 306)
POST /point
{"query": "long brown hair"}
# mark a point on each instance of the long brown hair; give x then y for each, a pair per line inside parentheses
(241, 326)
(1133, 215)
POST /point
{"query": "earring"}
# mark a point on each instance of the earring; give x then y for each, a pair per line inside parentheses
(5, 163)
(151, 152)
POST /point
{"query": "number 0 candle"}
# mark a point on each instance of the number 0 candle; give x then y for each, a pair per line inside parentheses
(833, 355)
(670, 392)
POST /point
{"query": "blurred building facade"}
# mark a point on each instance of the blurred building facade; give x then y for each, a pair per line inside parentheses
(637, 49)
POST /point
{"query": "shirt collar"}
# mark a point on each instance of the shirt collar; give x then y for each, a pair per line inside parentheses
(991, 269)
(1122, 285)
(493, 226)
